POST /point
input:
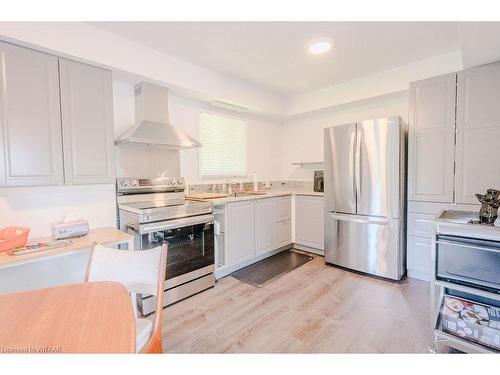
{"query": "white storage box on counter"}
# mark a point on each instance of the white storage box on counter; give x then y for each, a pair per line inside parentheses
(471, 321)
(70, 229)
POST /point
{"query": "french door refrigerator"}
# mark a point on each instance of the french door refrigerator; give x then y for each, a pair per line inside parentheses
(364, 197)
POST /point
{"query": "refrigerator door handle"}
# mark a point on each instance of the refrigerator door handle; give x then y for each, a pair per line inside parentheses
(353, 164)
(357, 166)
(359, 219)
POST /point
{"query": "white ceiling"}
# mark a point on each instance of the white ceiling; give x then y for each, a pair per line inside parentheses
(273, 55)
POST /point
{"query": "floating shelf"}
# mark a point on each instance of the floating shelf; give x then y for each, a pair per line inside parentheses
(302, 163)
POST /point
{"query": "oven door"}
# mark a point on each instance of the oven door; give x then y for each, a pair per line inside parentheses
(190, 246)
(468, 262)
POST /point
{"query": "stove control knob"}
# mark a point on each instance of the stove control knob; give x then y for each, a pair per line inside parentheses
(134, 183)
(180, 181)
(172, 182)
(123, 183)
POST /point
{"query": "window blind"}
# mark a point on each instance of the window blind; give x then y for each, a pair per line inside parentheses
(223, 150)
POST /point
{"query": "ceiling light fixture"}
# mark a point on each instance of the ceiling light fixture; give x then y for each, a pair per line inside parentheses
(319, 46)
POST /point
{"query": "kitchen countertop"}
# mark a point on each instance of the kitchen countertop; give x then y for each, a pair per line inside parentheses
(455, 223)
(270, 194)
(108, 236)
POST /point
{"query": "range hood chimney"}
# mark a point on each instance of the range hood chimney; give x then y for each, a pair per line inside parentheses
(152, 124)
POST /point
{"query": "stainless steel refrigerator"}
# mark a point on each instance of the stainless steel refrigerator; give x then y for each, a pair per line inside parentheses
(364, 197)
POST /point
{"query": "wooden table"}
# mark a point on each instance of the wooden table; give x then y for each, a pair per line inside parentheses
(92, 317)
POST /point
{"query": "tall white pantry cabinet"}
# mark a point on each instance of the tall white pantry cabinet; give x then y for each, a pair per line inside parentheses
(453, 151)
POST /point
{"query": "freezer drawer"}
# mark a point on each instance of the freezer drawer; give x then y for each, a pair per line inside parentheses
(364, 243)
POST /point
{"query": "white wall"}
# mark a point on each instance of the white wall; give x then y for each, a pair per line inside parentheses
(303, 136)
(84, 42)
(264, 140)
(382, 83)
(39, 207)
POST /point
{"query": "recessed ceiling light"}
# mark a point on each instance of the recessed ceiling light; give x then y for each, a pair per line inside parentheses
(319, 46)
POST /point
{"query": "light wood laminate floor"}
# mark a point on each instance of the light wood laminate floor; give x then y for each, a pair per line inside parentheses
(314, 309)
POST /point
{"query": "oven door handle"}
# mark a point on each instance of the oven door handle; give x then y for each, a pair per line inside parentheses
(494, 250)
(171, 224)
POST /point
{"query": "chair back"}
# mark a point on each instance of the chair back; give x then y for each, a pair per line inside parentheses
(139, 271)
(142, 272)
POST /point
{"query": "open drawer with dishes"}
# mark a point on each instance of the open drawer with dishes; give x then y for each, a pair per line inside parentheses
(471, 325)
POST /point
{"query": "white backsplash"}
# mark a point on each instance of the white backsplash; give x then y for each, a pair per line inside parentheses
(280, 185)
(41, 206)
(143, 161)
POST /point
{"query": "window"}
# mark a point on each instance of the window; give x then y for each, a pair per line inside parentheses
(223, 150)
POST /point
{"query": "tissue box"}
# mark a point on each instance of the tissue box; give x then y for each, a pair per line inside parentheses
(71, 229)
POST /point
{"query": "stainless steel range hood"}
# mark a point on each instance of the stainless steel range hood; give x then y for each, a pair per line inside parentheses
(152, 126)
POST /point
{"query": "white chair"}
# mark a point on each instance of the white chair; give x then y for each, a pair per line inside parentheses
(142, 272)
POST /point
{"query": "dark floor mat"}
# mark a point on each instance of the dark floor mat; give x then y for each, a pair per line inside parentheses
(264, 271)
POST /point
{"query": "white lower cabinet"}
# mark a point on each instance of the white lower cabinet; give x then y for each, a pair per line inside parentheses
(272, 224)
(283, 208)
(309, 221)
(282, 222)
(420, 232)
(419, 257)
(240, 232)
(250, 230)
(420, 229)
(265, 233)
(283, 233)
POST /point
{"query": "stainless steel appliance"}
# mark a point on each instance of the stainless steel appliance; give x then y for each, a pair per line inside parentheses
(465, 289)
(364, 197)
(152, 121)
(154, 211)
(468, 261)
(319, 182)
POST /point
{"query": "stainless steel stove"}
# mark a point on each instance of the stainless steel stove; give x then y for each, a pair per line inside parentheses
(155, 211)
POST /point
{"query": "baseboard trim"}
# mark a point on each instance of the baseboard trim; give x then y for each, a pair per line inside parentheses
(309, 249)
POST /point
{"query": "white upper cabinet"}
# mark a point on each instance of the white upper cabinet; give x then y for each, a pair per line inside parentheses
(87, 123)
(478, 132)
(56, 120)
(431, 139)
(30, 122)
